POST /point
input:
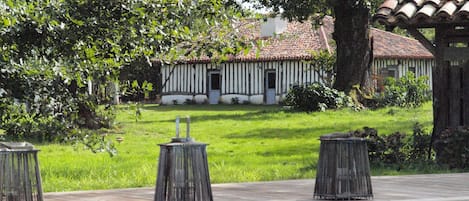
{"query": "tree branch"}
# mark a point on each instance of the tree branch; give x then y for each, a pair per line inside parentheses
(422, 39)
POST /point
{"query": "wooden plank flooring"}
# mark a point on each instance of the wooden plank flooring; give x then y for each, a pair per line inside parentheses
(431, 187)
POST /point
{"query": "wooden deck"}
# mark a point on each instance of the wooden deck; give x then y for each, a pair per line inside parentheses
(431, 187)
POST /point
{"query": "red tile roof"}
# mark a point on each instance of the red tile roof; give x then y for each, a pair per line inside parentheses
(387, 45)
(422, 13)
(300, 39)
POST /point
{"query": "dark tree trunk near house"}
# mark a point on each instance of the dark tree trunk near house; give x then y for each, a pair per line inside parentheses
(352, 36)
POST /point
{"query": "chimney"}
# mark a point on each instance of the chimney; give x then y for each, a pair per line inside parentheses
(273, 26)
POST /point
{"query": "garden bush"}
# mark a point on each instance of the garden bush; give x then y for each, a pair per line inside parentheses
(316, 97)
(38, 103)
(386, 149)
(396, 148)
(21, 125)
(376, 143)
(407, 91)
(138, 78)
(453, 147)
(419, 145)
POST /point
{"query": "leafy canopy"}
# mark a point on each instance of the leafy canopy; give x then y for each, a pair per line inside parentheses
(105, 34)
(50, 48)
(302, 10)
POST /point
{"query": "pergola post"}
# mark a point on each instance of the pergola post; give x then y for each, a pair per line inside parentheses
(451, 76)
(440, 101)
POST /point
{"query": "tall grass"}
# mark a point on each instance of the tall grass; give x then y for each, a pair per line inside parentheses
(246, 143)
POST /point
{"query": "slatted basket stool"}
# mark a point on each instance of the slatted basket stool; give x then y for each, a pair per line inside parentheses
(183, 170)
(19, 172)
(343, 170)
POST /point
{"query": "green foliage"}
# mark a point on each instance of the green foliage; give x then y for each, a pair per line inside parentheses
(235, 101)
(323, 63)
(36, 103)
(396, 148)
(316, 97)
(92, 140)
(383, 149)
(136, 109)
(142, 71)
(20, 125)
(137, 92)
(376, 144)
(419, 145)
(407, 91)
(50, 49)
(107, 34)
(453, 146)
(302, 10)
(33, 121)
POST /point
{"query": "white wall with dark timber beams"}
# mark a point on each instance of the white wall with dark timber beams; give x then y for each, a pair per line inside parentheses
(421, 67)
(186, 82)
(245, 81)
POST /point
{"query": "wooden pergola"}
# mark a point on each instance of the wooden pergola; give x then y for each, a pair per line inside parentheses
(450, 20)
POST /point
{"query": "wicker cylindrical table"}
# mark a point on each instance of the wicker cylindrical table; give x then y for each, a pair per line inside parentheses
(183, 170)
(20, 178)
(343, 170)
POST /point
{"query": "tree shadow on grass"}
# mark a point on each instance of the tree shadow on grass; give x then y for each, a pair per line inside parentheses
(204, 107)
(308, 167)
(250, 116)
(283, 133)
(307, 150)
(316, 132)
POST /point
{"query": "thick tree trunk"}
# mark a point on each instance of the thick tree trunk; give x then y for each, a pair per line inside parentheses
(352, 37)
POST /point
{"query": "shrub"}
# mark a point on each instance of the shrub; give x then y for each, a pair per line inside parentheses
(383, 149)
(408, 91)
(235, 101)
(396, 148)
(376, 144)
(23, 121)
(316, 97)
(92, 140)
(39, 103)
(419, 144)
(20, 125)
(452, 147)
(189, 101)
(143, 74)
(323, 63)
(135, 90)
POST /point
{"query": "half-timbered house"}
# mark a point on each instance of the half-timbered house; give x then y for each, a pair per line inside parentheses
(264, 76)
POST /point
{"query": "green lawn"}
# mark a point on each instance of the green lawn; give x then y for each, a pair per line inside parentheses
(247, 143)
